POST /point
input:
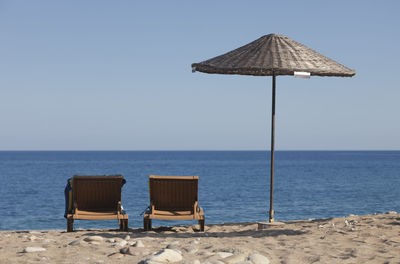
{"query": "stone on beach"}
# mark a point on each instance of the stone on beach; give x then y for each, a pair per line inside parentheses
(224, 254)
(258, 259)
(191, 250)
(196, 261)
(213, 261)
(139, 244)
(173, 246)
(127, 237)
(235, 258)
(75, 243)
(126, 250)
(165, 256)
(33, 249)
(111, 240)
(93, 238)
(121, 243)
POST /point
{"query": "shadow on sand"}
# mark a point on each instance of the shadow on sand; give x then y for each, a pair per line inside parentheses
(186, 232)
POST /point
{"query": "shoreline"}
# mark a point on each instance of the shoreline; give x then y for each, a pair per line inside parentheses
(354, 238)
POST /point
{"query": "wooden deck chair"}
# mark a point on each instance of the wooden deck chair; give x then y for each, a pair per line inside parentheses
(97, 198)
(173, 198)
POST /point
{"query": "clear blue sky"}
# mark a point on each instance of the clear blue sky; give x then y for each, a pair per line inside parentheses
(116, 75)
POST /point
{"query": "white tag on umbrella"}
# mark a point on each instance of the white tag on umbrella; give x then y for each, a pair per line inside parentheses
(305, 75)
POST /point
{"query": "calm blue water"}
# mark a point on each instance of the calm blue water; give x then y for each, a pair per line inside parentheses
(234, 185)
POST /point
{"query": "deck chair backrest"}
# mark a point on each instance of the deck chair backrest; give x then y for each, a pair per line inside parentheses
(173, 193)
(97, 193)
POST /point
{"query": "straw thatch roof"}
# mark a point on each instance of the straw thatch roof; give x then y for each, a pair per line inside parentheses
(270, 54)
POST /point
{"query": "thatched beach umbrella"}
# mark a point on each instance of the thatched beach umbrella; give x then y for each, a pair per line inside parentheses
(273, 55)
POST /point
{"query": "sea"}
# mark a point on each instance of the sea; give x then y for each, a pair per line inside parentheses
(233, 185)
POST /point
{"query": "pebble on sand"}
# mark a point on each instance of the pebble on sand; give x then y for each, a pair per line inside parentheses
(75, 243)
(126, 251)
(224, 254)
(165, 256)
(33, 249)
(235, 258)
(122, 243)
(139, 243)
(191, 250)
(258, 259)
(93, 238)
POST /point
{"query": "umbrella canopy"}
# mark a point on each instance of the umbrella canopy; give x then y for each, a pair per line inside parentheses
(273, 55)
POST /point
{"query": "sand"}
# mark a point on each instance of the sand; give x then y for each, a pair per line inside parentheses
(352, 239)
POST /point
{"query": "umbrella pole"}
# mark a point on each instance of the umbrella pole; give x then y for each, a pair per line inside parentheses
(271, 194)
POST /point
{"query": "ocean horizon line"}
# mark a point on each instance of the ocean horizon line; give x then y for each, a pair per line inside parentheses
(207, 150)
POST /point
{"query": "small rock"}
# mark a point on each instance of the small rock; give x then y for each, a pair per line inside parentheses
(111, 240)
(32, 238)
(34, 232)
(191, 250)
(127, 237)
(205, 253)
(122, 243)
(213, 261)
(139, 244)
(126, 251)
(166, 256)
(75, 243)
(33, 249)
(194, 242)
(93, 238)
(47, 240)
(258, 259)
(94, 243)
(99, 261)
(224, 254)
(346, 222)
(173, 246)
(235, 258)
(391, 212)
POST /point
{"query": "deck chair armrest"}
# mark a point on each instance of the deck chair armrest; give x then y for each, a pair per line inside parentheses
(74, 208)
(120, 208)
(196, 208)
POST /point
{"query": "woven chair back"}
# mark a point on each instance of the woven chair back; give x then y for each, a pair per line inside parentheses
(97, 193)
(173, 193)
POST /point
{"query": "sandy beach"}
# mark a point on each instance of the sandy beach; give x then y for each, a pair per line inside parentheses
(351, 239)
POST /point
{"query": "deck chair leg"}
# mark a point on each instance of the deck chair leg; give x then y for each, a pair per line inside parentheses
(70, 225)
(125, 225)
(146, 224)
(201, 224)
